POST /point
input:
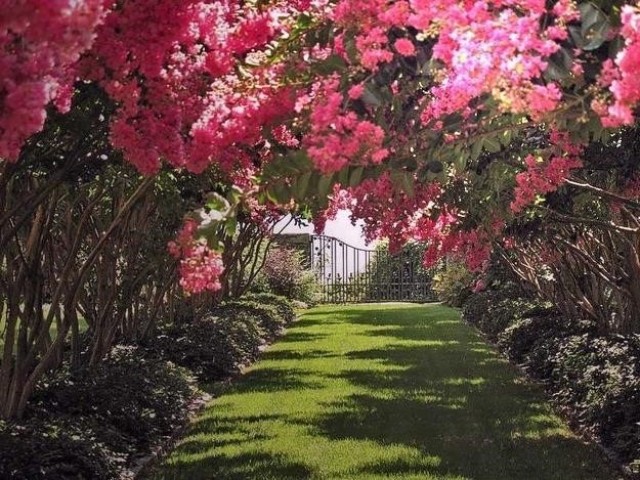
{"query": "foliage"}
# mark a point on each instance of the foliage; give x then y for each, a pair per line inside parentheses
(41, 450)
(397, 274)
(89, 424)
(142, 398)
(282, 304)
(599, 380)
(525, 335)
(287, 274)
(267, 316)
(452, 283)
(492, 311)
(213, 347)
(594, 378)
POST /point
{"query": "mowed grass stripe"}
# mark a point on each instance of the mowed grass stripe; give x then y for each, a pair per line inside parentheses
(381, 392)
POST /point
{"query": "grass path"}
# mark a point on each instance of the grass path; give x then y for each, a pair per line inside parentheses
(381, 392)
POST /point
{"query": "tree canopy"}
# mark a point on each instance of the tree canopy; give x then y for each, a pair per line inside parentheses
(456, 123)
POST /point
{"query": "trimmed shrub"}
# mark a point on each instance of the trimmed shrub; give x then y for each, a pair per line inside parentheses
(282, 304)
(523, 336)
(267, 316)
(540, 361)
(212, 347)
(46, 450)
(599, 379)
(140, 397)
(492, 311)
(452, 284)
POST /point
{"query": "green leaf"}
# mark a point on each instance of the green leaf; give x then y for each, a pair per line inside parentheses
(324, 185)
(298, 161)
(595, 26)
(371, 96)
(559, 65)
(302, 185)
(333, 63)
(460, 162)
(408, 185)
(230, 226)
(491, 144)
(343, 176)
(356, 176)
(217, 202)
(476, 148)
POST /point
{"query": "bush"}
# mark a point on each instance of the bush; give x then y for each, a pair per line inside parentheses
(599, 378)
(452, 284)
(46, 450)
(212, 347)
(492, 311)
(282, 304)
(540, 361)
(287, 275)
(521, 337)
(267, 316)
(140, 397)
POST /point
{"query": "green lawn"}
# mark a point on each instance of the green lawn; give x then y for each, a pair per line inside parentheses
(381, 392)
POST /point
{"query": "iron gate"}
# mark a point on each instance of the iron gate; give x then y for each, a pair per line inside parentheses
(347, 274)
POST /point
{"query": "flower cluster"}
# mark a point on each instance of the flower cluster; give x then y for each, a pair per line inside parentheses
(200, 267)
(541, 177)
(621, 76)
(491, 48)
(172, 67)
(40, 43)
(337, 138)
(444, 239)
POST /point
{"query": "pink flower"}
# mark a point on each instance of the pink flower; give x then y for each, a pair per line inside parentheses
(405, 47)
(200, 267)
(355, 92)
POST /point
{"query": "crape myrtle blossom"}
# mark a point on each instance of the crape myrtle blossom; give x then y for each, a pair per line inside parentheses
(200, 267)
(621, 75)
(194, 85)
(191, 83)
(40, 44)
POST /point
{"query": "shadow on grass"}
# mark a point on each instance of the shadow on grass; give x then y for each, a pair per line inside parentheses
(237, 467)
(285, 355)
(273, 380)
(451, 397)
(422, 380)
(292, 337)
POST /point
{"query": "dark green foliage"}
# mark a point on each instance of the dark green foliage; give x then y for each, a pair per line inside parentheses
(539, 362)
(492, 311)
(523, 336)
(213, 347)
(140, 397)
(89, 424)
(599, 378)
(596, 379)
(267, 316)
(282, 304)
(42, 450)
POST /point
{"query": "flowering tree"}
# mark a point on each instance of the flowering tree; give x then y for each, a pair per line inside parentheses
(448, 122)
(409, 97)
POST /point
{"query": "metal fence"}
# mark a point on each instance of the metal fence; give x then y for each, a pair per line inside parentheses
(347, 274)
